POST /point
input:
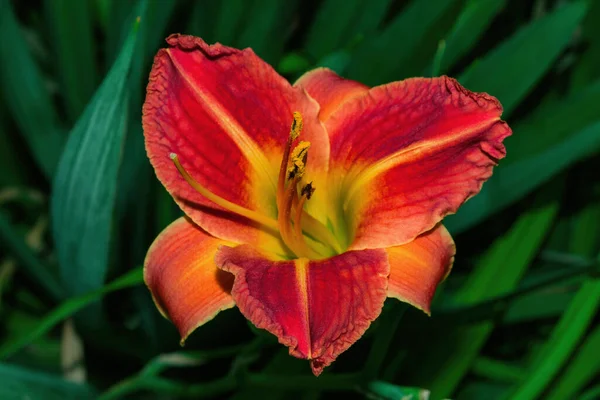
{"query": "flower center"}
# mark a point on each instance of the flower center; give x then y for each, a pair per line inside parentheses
(293, 190)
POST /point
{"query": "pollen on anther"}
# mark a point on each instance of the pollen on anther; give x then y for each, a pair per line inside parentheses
(297, 125)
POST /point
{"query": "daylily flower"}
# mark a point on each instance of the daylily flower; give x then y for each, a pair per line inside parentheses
(306, 205)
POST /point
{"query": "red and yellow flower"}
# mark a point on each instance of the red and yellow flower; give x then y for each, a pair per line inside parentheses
(306, 205)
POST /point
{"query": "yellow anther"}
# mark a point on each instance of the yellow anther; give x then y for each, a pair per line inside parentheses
(298, 159)
(297, 125)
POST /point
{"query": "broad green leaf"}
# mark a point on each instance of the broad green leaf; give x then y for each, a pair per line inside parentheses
(67, 309)
(337, 22)
(383, 58)
(513, 180)
(83, 193)
(19, 383)
(498, 272)
(511, 70)
(475, 17)
(74, 47)
(25, 94)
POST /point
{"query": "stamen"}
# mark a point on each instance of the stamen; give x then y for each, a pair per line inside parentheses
(297, 125)
(226, 204)
(307, 190)
(298, 160)
(295, 130)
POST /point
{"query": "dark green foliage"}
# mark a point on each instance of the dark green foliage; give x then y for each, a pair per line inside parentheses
(79, 202)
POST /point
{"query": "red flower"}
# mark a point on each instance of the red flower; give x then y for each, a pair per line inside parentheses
(386, 164)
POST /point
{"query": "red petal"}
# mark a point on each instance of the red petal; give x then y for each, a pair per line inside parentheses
(416, 268)
(412, 152)
(227, 115)
(316, 308)
(180, 271)
(329, 89)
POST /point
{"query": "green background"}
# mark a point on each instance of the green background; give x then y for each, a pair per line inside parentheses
(79, 203)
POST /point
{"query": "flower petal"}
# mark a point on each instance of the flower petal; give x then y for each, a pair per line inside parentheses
(416, 268)
(316, 308)
(411, 152)
(329, 89)
(180, 271)
(227, 115)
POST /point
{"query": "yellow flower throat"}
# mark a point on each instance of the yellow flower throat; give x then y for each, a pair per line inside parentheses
(293, 222)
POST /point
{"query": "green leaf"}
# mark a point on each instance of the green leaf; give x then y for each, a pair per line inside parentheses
(475, 17)
(391, 51)
(19, 383)
(513, 180)
(74, 48)
(26, 96)
(83, 193)
(67, 309)
(338, 22)
(511, 70)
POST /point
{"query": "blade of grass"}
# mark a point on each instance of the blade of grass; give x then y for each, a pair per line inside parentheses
(74, 48)
(67, 309)
(26, 96)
